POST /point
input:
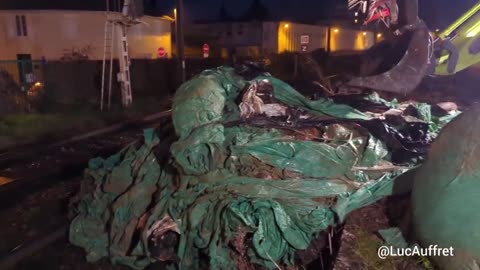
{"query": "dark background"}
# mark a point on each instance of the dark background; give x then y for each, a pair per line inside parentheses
(437, 13)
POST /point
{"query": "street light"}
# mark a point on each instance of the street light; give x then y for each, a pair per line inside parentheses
(379, 35)
(364, 33)
(180, 41)
(335, 30)
(286, 25)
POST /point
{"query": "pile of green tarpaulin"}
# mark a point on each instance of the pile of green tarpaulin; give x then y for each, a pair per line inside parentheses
(257, 172)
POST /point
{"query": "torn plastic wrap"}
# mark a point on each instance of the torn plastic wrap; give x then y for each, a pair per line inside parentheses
(257, 173)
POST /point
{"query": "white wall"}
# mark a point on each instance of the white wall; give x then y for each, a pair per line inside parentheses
(343, 39)
(280, 37)
(270, 37)
(51, 33)
(145, 39)
(289, 35)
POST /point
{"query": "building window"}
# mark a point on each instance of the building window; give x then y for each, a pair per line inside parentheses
(240, 29)
(21, 23)
(19, 28)
(24, 25)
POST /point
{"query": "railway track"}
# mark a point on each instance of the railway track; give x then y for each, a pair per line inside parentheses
(18, 154)
(42, 242)
(53, 166)
(27, 170)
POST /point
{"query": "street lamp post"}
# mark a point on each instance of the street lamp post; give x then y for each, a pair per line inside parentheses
(180, 39)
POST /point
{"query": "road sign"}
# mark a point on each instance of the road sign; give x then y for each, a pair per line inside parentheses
(304, 39)
(304, 48)
(161, 52)
(206, 50)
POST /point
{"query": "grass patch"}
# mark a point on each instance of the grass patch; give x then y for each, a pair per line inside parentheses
(62, 122)
(366, 248)
(27, 128)
(426, 263)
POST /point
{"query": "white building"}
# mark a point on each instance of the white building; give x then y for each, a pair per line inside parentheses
(53, 34)
(260, 38)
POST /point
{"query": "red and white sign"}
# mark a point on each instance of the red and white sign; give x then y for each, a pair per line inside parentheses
(161, 52)
(304, 39)
(206, 50)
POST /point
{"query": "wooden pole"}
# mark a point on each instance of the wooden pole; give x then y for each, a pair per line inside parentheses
(295, 72)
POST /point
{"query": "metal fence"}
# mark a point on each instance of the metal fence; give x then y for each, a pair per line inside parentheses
(24, 72)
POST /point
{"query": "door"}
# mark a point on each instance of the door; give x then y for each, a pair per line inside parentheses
(25, 68)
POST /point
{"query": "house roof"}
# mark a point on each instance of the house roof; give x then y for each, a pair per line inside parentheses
(53, 4)
(18, 11)
(77, 5)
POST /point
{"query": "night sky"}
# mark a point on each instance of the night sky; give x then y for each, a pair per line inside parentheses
(437, 13)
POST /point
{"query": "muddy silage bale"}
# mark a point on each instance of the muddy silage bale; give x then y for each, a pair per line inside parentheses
(446, 194)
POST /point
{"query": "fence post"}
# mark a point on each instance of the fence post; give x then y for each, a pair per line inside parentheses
(295, 65)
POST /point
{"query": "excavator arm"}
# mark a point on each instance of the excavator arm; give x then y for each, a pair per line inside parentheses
(456, 48)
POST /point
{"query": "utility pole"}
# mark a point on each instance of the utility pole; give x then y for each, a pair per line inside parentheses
(116, 27)
(329, 38)
(180, 40)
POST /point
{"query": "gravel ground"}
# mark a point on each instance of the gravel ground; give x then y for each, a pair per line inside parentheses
(47, 210)
(38, 214)
(360, 241)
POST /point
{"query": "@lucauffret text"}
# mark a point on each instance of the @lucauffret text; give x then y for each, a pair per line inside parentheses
(432, 250)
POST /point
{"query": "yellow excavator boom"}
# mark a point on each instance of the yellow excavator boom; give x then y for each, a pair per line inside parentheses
(459, 44)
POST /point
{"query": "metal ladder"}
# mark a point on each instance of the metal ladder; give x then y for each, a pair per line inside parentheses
(124, 75)
(107, 56)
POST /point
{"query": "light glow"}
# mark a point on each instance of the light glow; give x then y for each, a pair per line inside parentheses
(474, 30)
(443, 59)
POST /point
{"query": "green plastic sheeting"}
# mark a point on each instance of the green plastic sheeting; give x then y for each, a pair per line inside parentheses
(122, 183)
(394, 237)
(446, 193)
(225, 180)
(375, 97)
(286, 94)
(202, 101)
